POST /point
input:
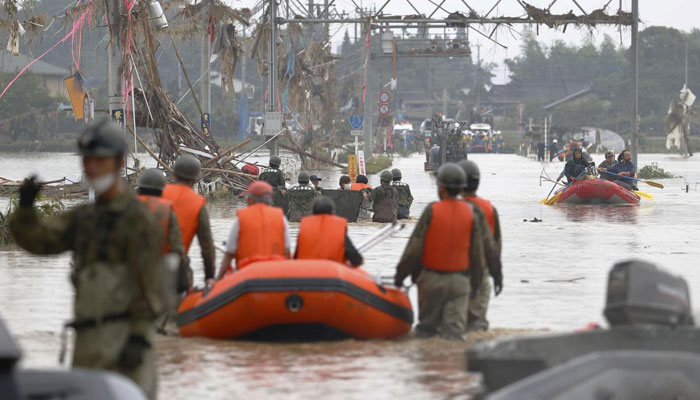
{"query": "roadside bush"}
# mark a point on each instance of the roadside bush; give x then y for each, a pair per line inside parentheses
(653, 171)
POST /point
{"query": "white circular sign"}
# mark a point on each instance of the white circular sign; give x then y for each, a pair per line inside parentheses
(384, 109)
(384, 97)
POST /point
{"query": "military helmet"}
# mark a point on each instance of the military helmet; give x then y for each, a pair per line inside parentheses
(275, 161)
(152, 179)
(386, 175)
(303, 177)
(396, 173)
(451, 176)
(471, 170)
(102, 138)
(187, 166)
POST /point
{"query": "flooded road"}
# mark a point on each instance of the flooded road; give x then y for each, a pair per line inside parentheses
(543, 263)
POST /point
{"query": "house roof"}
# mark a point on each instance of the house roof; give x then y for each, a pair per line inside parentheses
(12, 64)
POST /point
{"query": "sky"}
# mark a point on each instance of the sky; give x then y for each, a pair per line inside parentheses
(680, 14)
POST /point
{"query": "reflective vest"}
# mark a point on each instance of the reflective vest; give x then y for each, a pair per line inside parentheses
(186, 204)
(260, 232)
(360, 186)
(448, 240)
(487, 208)
(322, 237)
(161, 208)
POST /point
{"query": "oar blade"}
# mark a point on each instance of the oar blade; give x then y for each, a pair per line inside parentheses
(654, 184)
(552, 200)
(644, 195)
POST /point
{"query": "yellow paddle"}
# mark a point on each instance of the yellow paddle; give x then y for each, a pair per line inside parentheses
(650, 183)
(644, 195)
(552, 200)
(654, 184)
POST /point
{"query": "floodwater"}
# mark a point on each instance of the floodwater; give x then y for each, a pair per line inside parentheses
(555, 279)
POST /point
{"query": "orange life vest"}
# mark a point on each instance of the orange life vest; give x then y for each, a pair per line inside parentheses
(187, 205)
(161, 208)
(260, 232)
(360, 186)
(487, 208)
(322, 237)
(449, 236)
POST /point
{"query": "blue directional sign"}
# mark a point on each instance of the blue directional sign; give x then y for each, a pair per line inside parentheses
(356, 121)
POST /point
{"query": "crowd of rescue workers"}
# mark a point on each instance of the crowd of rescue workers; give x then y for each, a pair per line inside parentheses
(120, 240)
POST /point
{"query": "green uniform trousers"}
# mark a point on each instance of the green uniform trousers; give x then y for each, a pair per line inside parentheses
(479, 305)
(443, 300)
(100, 348)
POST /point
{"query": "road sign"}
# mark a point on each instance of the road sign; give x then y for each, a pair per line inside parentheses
(384, 109)
(204, 123)
(88, 109)
(352, 167)
(361, 162)
(384, 96)
(118, 116)
(356, 121)
(357, 132)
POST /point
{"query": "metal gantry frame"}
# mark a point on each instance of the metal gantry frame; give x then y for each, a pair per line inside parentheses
(469, 18)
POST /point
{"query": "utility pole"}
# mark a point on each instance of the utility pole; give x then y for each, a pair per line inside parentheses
(114, 62)
(326, 26)
(369, 103)
(635, 78)
(444, 102)
(205, 69)
(311, 26)
(476, 74)
(686, 63)
(272, 70)
(243, 64)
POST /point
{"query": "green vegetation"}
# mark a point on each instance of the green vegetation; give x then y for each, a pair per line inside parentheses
(653, 171)
(553, 71)
(222, 194)
(377, 164)
(5, 236)
(43, 208)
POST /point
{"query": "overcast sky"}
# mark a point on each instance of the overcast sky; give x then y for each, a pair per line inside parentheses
(680, 14)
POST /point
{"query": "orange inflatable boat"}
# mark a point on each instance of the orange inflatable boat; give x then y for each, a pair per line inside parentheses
(296, 300)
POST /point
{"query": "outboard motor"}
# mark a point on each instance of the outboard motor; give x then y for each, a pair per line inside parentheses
(641, 293)
(651, 329)
(9, 355)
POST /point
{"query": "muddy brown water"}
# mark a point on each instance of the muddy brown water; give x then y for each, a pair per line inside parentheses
(555, 277)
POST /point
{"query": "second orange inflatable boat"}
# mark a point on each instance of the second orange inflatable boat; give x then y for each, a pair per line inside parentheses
(296, 300)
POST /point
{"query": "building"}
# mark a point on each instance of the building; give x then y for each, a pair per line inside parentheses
(51, 75)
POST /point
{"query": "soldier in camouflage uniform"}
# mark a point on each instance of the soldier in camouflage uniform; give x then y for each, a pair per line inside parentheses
(275, 178)
(116, 246)
(384, 199)
(300, 198)
(434, 259)
(405, 198)
(479, 303)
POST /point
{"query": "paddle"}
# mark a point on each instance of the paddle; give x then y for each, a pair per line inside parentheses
(650, 183)
(546, 199)
(379, 236)
(549, 202)
(644, 195)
